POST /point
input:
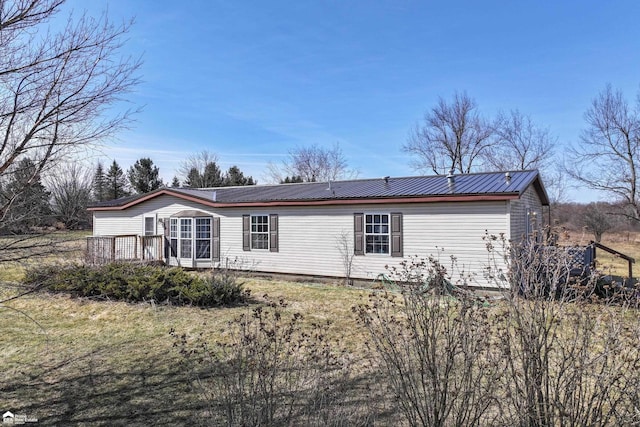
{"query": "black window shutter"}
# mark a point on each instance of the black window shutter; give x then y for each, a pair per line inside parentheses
(273, 233)
(246, 232)
(358, 234)
(396, 234)
(215, 239)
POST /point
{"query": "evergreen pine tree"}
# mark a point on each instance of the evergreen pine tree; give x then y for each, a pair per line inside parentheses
(27, 199)
(175, 183)
(235, 176)
(116, 183)
(144, 176)
(291, 180)
(99, 183)
(212, 176)
(193, 179)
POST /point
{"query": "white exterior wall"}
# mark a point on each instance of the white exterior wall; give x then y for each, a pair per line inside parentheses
(308, 236)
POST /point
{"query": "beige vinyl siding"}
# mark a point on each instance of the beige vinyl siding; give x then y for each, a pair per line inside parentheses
(308, 236)
(518, 213)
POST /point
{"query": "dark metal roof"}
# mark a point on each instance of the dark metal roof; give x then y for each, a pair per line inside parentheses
(476, 184)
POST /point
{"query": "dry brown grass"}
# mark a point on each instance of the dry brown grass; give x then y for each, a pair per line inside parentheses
(109, 363)
(58, 247)
(87, 362)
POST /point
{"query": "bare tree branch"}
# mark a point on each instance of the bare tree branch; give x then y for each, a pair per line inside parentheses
(58, 89)
(70, 189)
(608, 156)
(54, 90)
(313, 163)
(520, 144)
(451, 136)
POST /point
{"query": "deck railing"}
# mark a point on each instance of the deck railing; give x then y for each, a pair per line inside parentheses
(129, 247)
(630, 261)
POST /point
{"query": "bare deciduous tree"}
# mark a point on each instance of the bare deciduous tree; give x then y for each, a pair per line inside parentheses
(598, 219)
(311, 164)
(201, 170)
(519, 144)
(555, 180)
(452, 136)
(57, 92)
(70, 187)
(608, 156)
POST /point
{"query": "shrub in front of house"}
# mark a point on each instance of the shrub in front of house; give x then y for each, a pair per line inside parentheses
(138, 283)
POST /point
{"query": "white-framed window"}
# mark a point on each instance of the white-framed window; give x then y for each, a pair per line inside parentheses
(259, 231)
(191, 237)
(173, 236)
(185, 237)
(203, 238)
(376, 232)
(149, 225)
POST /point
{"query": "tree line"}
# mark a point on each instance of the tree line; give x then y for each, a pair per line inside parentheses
(198, 171)
(60, 197)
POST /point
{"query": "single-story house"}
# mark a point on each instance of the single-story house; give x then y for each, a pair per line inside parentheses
(313, 228)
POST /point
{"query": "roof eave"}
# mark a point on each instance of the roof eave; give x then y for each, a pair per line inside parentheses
(143, 198)
(318, 202)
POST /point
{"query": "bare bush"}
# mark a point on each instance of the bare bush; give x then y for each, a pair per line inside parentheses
(434, 349)
(549, 352)
(566, 360)
(268, 370)
(344, 244)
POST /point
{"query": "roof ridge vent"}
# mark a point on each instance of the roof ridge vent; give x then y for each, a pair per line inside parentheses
(507, 177)
(214, 195)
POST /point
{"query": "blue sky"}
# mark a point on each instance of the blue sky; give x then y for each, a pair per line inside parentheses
(251, 80)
